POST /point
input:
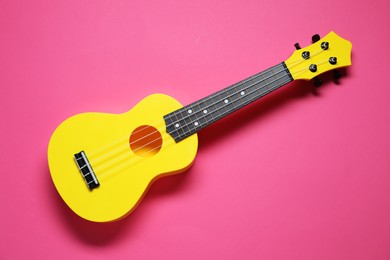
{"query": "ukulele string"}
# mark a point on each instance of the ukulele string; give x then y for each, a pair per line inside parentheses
(161, 123)
(158, 129)
(121, 139)
(134, 160)
(107, 155)
(298, 61)
(124, 155)
(294, 63)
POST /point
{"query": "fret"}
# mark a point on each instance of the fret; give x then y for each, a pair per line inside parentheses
(190, 110)
(229, 107)
(189, 125)
(270, 82)
(210, 105)
(249, 93)
(187, 120)
(220, 98)
(202, 121)
(170, 128)
(193, 117)
(225, 93)
(199, 114)
(209, 117)
(240, 86)
(219, 102)
(183, 119)
(232, 97)
(190, 120)
(203, 111)
(208, 110)
(237, 103)
(266, 82)
(178, 124)
(253, 88)
(284, 79)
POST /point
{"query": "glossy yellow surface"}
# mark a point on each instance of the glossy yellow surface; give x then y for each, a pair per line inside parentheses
(124, 175)
(338, 47)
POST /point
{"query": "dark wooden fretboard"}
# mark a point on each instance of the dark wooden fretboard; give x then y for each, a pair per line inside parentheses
(190, 119)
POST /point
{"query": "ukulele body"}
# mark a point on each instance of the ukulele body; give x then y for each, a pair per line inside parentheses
(126, 152)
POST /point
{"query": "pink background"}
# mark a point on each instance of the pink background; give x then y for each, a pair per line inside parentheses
(294, 176)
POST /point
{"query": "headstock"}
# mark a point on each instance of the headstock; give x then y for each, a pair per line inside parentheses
(329, 53)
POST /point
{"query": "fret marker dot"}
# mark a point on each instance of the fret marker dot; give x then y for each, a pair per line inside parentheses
(196, 123)
(242, 93)
(205, 111)
(226, 101)
(177, 125)
(189, 111)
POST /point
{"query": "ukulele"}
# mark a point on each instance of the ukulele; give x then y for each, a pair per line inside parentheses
(102, 164)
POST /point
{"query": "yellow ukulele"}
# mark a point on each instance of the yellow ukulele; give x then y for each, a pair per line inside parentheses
(103, 164)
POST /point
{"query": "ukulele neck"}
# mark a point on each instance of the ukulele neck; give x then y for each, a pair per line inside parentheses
(190, 119)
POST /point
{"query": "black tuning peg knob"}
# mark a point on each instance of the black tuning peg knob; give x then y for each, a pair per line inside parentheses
(297, 46)
(315, 38)
(317, 82)
(337, 74)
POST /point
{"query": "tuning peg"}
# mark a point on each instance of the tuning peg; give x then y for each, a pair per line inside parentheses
(297, 46)
(315, 38)
(317, 82)
(337, 74)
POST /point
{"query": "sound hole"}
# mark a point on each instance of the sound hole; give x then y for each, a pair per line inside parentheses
(145, 141)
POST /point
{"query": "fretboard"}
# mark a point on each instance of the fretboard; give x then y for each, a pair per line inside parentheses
(190, 119)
